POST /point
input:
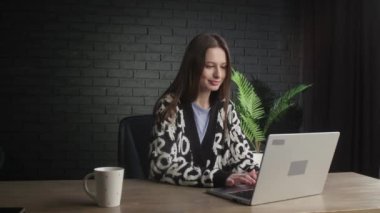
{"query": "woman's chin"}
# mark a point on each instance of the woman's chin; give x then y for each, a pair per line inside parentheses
(214, 88)
(210, 88)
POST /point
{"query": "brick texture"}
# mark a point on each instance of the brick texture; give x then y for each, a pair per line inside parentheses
(71, 70)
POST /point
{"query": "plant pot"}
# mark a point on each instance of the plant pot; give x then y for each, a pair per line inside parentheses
(257, 157)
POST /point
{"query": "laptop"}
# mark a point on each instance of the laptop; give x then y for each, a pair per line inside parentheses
(293, 166)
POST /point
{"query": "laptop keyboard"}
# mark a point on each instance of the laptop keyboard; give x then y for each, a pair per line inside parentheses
(245, 194)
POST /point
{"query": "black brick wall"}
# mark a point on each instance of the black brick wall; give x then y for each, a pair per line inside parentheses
(72, 69)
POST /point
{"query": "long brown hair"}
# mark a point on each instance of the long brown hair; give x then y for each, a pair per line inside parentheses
(184, 88)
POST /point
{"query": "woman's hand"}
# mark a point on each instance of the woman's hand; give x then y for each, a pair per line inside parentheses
(248, 178)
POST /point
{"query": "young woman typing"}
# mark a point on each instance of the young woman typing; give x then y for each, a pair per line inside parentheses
(197, 136)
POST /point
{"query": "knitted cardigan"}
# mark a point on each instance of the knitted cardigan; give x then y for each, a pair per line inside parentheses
(178, 157)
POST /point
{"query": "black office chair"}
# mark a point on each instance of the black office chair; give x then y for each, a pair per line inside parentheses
(135, 134)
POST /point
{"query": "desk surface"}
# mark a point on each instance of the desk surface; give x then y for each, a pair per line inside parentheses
(343, 191)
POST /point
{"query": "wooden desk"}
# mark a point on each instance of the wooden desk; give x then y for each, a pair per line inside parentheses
(343, 191)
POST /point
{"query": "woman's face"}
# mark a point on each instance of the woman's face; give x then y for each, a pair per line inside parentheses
(214, 71)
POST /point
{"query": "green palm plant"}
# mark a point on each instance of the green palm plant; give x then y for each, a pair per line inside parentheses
(255, 122)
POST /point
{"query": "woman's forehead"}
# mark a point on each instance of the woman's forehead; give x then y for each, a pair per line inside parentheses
(215, 54)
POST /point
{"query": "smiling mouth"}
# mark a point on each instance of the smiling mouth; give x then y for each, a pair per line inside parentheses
(214, 83)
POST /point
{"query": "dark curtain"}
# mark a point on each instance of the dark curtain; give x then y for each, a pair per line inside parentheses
(341, 57)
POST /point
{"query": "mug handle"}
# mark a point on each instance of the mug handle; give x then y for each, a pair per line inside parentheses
(85, 186)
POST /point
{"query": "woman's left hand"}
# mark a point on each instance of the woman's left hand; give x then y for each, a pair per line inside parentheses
(248, 178)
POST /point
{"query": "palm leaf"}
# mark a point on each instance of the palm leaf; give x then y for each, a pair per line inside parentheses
(250, 108)
(248, 101)
(282, 104)
(252, 130)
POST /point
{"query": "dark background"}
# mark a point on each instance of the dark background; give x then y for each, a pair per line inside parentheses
(341, 56)
(72, 69)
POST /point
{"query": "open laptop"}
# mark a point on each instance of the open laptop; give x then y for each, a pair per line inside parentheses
(293, 165)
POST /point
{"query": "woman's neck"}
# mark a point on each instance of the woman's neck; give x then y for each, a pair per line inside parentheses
(203, 100)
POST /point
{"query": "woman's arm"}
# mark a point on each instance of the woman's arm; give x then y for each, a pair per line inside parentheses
(241, 153)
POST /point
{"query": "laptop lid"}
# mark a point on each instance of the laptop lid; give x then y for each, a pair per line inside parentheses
(293, 165)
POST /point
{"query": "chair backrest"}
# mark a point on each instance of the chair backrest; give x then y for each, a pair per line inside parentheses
(135, 134)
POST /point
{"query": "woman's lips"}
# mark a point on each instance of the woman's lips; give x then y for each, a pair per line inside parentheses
(214, 83)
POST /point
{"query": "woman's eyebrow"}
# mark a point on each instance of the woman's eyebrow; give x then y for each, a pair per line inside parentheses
(213, 62)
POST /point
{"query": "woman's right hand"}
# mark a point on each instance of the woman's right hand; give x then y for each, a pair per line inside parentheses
(248, 178)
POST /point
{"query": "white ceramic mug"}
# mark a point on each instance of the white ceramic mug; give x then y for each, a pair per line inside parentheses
(108, 186)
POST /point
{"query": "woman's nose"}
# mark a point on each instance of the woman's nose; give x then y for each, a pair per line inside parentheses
(217, 72)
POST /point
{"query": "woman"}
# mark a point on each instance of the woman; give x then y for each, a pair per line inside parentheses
(197, 137)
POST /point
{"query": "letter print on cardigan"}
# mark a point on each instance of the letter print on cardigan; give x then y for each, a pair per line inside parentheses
(184, 145)
(172, 158)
